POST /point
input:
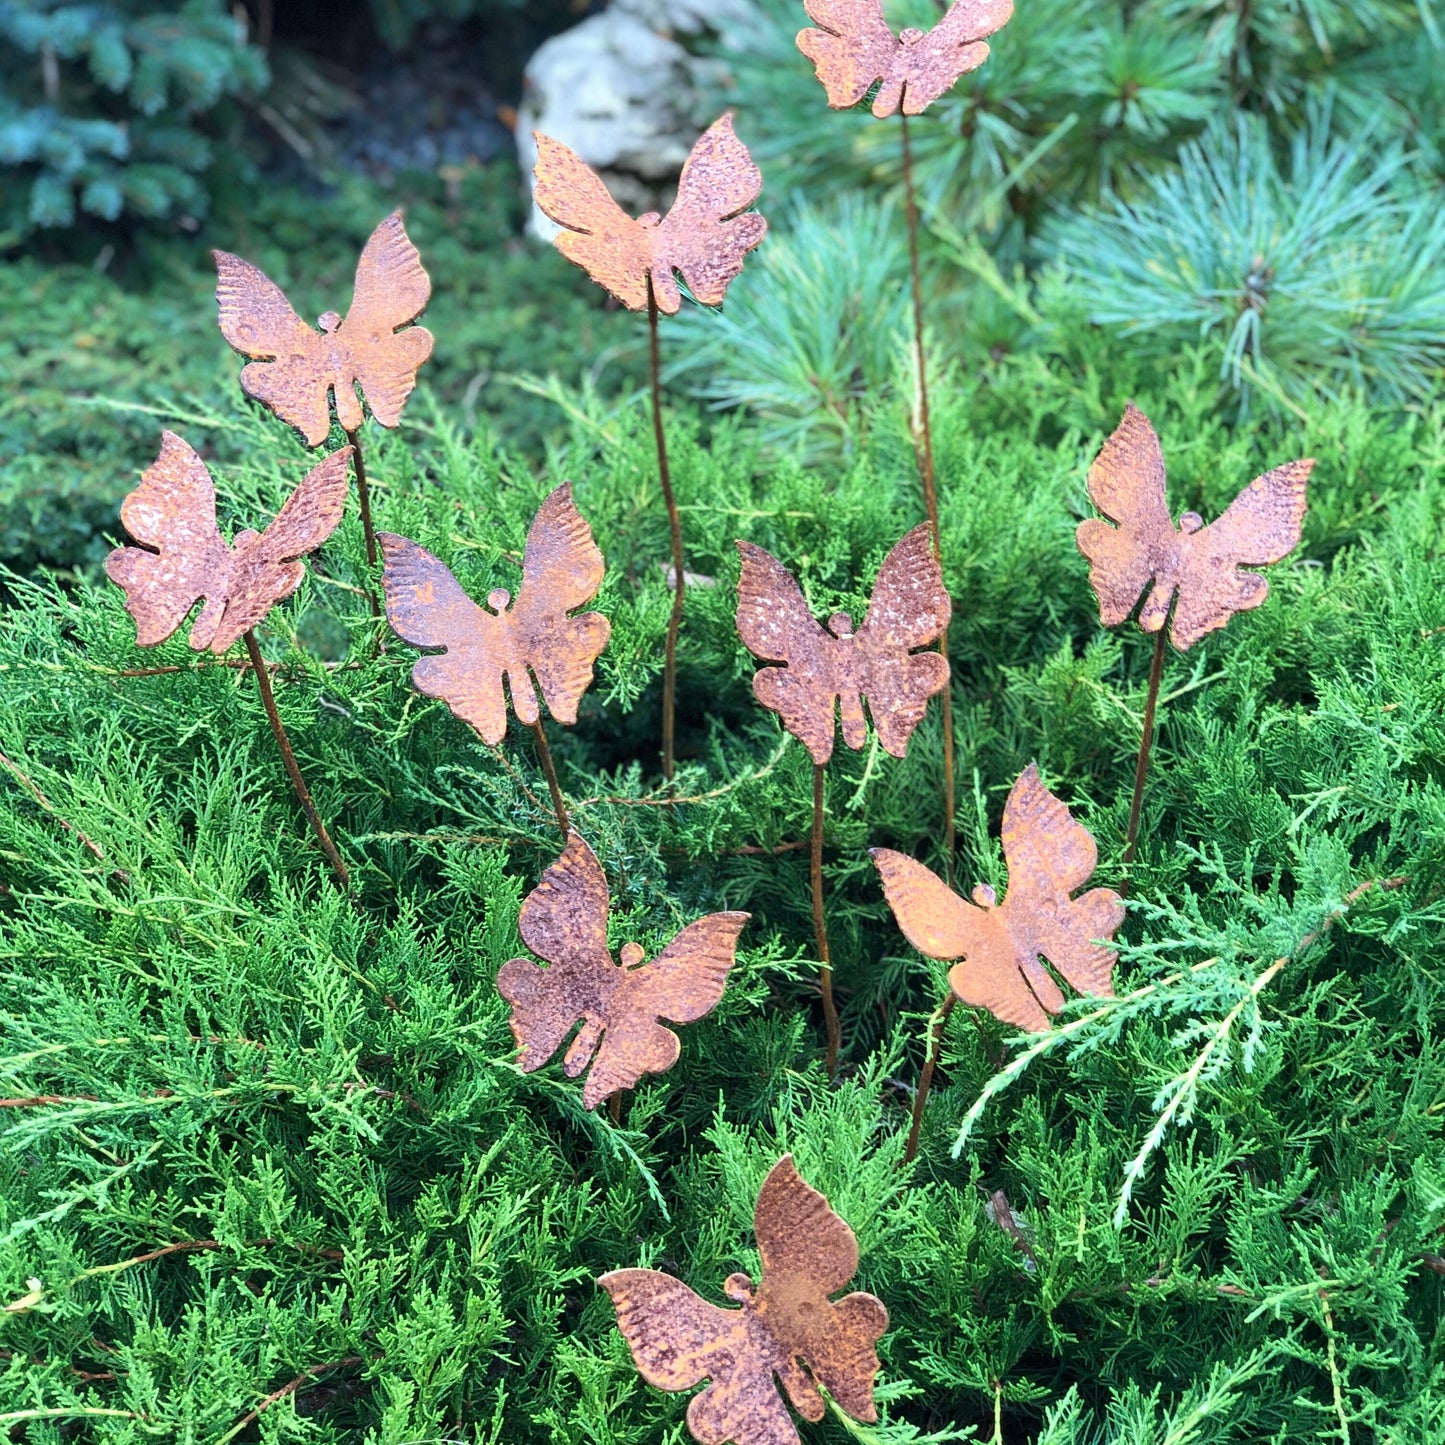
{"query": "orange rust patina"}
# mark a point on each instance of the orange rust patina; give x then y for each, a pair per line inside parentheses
(787, 1322)
(182, 558)
(1049, 855)
(828, 667)
(1199, 564)
(296, 367)
(855, 47)
(705, 235)
(564, 920)
(533, 636)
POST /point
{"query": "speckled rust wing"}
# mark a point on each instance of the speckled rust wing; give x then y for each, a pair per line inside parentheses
(685, 982)
(788, 1329)
(535, 636)
(705, 235)
(910, 608)
(828, 670)
(854, 47)
(563, 920)
(182, 557)
(1201, 565)
(1049, 856)
(296, 369)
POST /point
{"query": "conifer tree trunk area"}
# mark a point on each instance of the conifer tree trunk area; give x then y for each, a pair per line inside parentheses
(284, 1157)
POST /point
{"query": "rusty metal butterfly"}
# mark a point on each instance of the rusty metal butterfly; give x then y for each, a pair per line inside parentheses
(182, 557)
(296, 368)
(854, 48)
(835, 668)
(1049, 855)
(564, 920)
(533, 636)
(1201, 565)
(678, 1339)
(705, 235)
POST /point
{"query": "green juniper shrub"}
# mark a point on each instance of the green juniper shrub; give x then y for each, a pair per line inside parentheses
(269, 1170)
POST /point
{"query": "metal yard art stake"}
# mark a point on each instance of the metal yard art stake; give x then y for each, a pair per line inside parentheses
(852, 50)
(832, 669)
(787, 1321)
(182, 558)
(704, 237)
(295, 369)
(535, 635)
(564, 920)
(1049, 856)
(1197, 570)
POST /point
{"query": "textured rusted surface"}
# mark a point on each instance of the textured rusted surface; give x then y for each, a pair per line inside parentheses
(854, 47)
(1202, 565)
(532, 636)
(564, 920)
(787, 1328)
(1049, 855)
(705, 235)
(297, 367)
(181, 559)
(836, 668)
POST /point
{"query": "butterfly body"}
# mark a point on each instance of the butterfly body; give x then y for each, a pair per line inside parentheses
(1002, 945)
(183, 559)
(788, 1329)
(298, 368)
(497, 651)
(564, 921)
(1201, 571)
(704, 237)
(853, 48)
(828, 672)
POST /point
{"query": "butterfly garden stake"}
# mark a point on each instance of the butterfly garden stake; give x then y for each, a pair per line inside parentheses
(787, 1321)
(534, 635)
(705, 237)
(828, 669)
(1049, 856)
(852, 50)
(564, 920)
(1196, 570)
(182, 558)
(295, 370)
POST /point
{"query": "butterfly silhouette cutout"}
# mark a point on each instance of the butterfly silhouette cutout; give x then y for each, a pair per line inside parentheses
(705, 235)
(854, 48)
(835, 667)
(564, 920)
(182, 557)
(678, 1339)
(1049, 855)
(533, 636)
(1198, 564)
(297, 368)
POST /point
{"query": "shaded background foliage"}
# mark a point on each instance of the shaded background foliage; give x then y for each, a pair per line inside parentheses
(258, 1141)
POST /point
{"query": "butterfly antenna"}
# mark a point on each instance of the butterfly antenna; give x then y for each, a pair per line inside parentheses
(820, 925)
(1146, 743)
(923, 444)
(303, 793)
(674, 522)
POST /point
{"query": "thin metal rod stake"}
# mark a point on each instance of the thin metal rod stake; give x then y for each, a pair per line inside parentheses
(925, 1079)
(1146, 743)
(923, 444)
(820, 926)
(303, 793)
(674, 522)
(363, 492)
(544, 756)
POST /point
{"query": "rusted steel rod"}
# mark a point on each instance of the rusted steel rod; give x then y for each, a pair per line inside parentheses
(1146, 744)
(925, 1079)
(820, 926)
(544, 756)
(674, 523)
